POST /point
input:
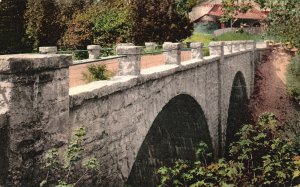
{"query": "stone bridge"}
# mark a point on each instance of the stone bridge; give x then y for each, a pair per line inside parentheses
(135, 122)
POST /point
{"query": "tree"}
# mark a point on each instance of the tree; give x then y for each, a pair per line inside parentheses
(12, 26)
(42, 26)
(284, 21)
(157, 21)
(231, 8)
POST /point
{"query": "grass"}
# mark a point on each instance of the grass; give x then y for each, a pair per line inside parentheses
(293, 78)
(198, 37)
(230, 36)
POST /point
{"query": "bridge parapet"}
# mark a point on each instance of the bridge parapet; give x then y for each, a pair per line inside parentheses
(42, 110)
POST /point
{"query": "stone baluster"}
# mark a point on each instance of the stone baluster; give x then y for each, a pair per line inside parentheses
(197, 50)
(94, 51)
(172, 53)
(150, 46)
(48, 50)
(227, 47)
(216, 48)
(235, 46)
(130, 64)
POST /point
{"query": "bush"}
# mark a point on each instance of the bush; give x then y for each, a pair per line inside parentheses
(261, 157)
(80, 55)
(293, 78)
(72, 171)
(96, 73)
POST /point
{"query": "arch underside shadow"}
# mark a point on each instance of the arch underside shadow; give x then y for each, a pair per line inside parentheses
(174, 134)
(238, 109)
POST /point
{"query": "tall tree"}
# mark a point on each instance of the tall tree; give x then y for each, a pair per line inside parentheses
(12, 26)
(158, 21)
(42, 25)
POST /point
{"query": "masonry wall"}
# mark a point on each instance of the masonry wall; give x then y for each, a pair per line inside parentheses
(41, 111)
(118, 121)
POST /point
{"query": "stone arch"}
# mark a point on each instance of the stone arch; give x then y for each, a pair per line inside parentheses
(237, 111)
(174, 134)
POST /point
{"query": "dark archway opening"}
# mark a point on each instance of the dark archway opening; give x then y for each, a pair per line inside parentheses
(238, 113)
(174, 135)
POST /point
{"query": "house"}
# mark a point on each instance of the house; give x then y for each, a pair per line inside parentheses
(211, 11)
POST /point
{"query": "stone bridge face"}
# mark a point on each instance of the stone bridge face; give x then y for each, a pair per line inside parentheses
(136, 122)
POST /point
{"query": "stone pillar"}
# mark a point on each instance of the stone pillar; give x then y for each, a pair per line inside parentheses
(131, 63)
(242, 45)
(197, 50)
(216, 48)
(150, 46)
(235, 46)
(48, 50)
(94, 51)
(35, 94)
(249, 44)
(172, 53)
(227, 47)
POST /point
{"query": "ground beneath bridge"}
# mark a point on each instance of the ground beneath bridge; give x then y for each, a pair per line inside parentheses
(270, 93)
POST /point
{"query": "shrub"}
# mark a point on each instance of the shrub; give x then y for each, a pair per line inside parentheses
(261, 157)
(96, 73)
(293, 78)
(80, 55)
(72, 171)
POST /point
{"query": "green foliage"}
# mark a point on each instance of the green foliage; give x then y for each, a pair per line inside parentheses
(157, 21)
(72, 170)
(293, 77)
(284, 20)
(261, 157)
(96, 73)
(80, 55)
(12, 26)
(198, 37)
(185, 6)
(110, 27)
(98, 24)
(42, 26)
(232, 7)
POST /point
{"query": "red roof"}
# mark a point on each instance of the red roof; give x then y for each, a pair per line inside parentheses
(251, 14)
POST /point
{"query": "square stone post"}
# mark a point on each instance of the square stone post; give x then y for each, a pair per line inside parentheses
(48, 50)
(249, 44)
(150, 46)
(197, 50)
(227, 47)
(94, 51)
(242, 45)
(235, 46)
(216, 48)
(35, 96)
(131, 63)
(172, 53)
